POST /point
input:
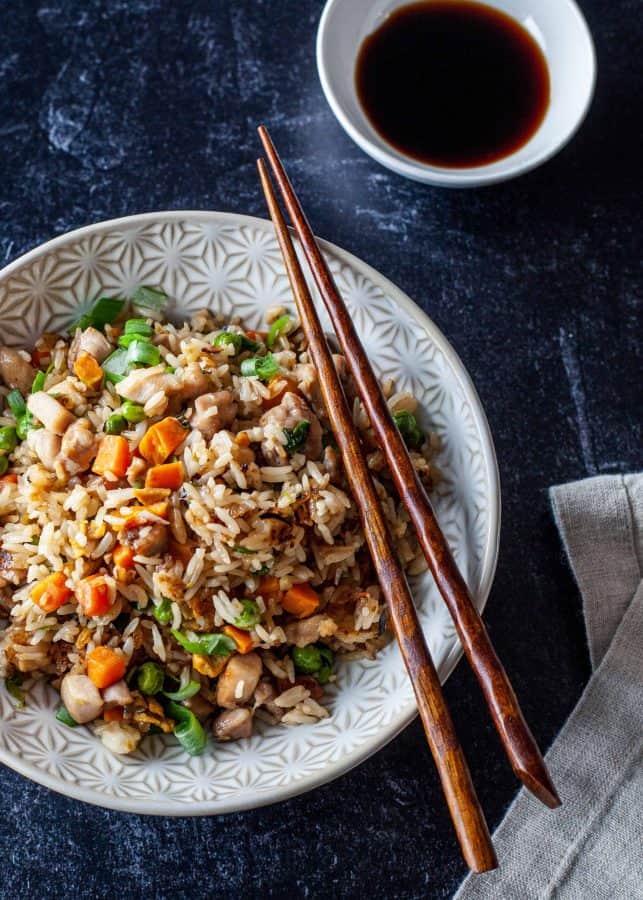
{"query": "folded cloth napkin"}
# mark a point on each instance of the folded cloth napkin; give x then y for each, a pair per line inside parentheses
(592, 846)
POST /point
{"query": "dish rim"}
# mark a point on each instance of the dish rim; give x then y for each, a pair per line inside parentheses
(266, 797)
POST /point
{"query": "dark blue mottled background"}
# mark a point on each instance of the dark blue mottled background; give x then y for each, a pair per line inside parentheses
(110, 108)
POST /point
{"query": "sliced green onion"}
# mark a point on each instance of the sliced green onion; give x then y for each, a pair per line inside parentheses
(408, 427)
(38, 382)
(149, 297)
(163, 612)
(116, 365)
(205, 644)
(133, 412)
(263, 367)
(139, 326)
(16, 403)
(14, 689)
(277, 329)
(115, 424)
(296, 437)
(307, 659)
(249, 617)
(326, 670)
(150, 678)
(234, 339)
(243, 550)
(8, 438)
(103, 312)
(64, 716)
(106, 310)
(188, 731)
(125, 340)
(25, 424)
(184, 693)
(144, 353)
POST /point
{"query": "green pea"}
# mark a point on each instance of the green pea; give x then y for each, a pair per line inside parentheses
(307, 659)
(133, 412)
(150, 678)
(115, 424)
(8, 438)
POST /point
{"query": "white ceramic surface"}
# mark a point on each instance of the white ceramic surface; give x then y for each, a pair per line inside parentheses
(231, 263)
(559, 29)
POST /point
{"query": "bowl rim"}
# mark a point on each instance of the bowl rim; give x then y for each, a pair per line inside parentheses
(475, 176)
(278, 794)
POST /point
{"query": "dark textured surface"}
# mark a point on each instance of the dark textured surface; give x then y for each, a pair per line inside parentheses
(110, 108)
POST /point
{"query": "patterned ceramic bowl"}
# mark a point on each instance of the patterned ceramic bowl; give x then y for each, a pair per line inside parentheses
(232, 264)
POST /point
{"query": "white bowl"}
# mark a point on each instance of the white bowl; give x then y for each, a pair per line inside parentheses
(557, 26)
(232, 263)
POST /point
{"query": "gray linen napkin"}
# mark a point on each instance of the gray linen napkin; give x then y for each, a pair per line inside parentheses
(591, 848)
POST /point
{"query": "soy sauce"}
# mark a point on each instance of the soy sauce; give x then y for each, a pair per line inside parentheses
(452, 83)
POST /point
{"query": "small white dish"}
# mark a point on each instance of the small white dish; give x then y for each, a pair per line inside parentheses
(557, 26)
(231, 263)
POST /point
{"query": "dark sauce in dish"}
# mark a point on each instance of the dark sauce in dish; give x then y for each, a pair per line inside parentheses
(452, 83)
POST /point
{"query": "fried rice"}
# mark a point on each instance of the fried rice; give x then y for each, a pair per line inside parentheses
(178, 544)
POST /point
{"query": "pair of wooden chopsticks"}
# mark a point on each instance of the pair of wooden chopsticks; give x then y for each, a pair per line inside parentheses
(519, 744)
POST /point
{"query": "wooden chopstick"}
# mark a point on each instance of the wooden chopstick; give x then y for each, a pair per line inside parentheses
(520, 746)
(464, 807)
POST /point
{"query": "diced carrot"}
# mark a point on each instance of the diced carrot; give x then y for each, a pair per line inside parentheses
(257, 335)
(113, 456)
(282, 386)
(241, 638)
(169, 475)
(149, 496)
(12, 478)
(51, 592)
(123, 556)
(242, 439)
(93, 595)
(135, 515)
(105, 666)
(114, 714)
(88, 370)
(301, 600)
(269, 587)
(161, 440)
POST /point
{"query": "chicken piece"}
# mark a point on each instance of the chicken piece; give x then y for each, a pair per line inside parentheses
(88, 341)
(212, 412)
(194, 382)
(141, 384)
(78, 447)
(306, 375)
(46, 445)
(146, 540)
(117, 695)
(15, 371)
(309, 631)
(232, 725)
(81, 697)
(265, 695)
(199, 706)
(50, 412)
(288, 414)
(120, 737)
(239, 679)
